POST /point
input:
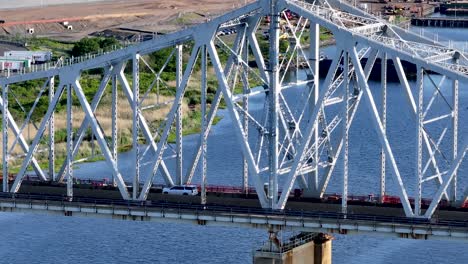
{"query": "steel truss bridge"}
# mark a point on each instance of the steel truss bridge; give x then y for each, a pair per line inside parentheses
(295, 141)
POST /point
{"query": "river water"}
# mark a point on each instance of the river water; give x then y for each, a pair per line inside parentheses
(46, 239)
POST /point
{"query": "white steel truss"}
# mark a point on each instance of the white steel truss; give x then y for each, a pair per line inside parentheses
(294, 142)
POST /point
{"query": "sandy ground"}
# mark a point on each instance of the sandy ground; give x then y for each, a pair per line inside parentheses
(90, 16)
(9, 4)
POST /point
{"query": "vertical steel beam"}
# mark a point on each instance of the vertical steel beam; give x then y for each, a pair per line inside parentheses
(419, 150)
(228, 69)
(69, 142)
(245, 105)
(344, 197)
(86, 122)
(308, 132)
(253, 23)
(380, 133)
(22, 141)
(203, 134)
(448, 179)
(32, 149)
(99, 134)
(136, 123)
(246, 150)
(354, 107)
(455, 133)
(383, 116)
(179, 165)
(145, 129)
(52, 175)
(26, 122)
(411, 101)
(314, 63)
(5, 128)
(274, 102)
(168, 124)
(115, 98)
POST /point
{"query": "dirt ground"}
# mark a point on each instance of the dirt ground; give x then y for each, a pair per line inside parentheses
(7, 47)
(87, 18)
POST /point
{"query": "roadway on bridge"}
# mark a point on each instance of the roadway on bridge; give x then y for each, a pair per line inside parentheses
(90, 193)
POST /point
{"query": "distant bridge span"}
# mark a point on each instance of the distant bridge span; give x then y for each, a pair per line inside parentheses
(298, 141)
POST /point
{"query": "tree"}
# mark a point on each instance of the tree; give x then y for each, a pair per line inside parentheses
(108, 43)
(158, 58)
(84, 46)
(93, 45)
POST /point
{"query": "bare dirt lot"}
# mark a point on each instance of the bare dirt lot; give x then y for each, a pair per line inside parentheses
(87, 18)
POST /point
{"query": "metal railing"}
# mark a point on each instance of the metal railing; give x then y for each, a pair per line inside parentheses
(216, 209)
(285, 246)
(68, 61)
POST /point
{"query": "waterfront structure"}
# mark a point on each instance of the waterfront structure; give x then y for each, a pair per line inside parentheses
(443, 22)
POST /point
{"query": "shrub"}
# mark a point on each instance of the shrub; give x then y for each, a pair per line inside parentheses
(84, 46)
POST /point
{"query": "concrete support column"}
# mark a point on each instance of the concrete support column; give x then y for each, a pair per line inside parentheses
(303, 248)
(323, 249)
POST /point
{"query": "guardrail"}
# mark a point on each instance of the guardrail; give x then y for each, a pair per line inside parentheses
(369, 199)
(63, 62)
(285, 246)
(216, 208)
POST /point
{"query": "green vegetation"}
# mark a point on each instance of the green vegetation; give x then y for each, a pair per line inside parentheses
(265, 45)
(93, 45)
(66, 49)
(23, 96)
(191, 125)
(59, 48)
(325, 34)
(187, 18)
(400, 19)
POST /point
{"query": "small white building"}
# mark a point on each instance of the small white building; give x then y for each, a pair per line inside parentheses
(33, 56)
(14, 64)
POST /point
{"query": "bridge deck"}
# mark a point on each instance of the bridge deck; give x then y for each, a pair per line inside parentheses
(237, 211)
(228, 199)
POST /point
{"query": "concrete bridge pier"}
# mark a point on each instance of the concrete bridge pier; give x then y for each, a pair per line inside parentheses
(310, 248)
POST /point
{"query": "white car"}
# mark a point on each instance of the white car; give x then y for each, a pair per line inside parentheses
(181, 190)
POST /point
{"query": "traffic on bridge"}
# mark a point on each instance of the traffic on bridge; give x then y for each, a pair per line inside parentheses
(295, 122)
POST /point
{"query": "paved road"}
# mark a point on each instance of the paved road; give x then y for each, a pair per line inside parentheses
(7, 47)
(8, 4)
(231, 200)
(237, 209)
